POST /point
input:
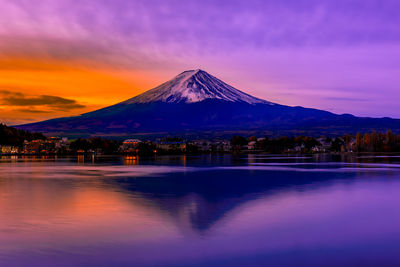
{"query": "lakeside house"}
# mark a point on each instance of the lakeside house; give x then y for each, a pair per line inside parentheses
(172, 145)
(211, 146)
(251, 145)
(52, 145)
(9, 150)
(130, 146)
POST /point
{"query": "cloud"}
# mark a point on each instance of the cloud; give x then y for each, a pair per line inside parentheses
(33, 111)
(351, 99)
(113, 31)
(8, 93)
(53, 103)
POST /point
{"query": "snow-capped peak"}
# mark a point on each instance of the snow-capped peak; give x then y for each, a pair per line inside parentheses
(194, 86)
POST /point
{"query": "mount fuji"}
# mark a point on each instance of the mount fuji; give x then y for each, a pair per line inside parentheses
(197, 104)
(194, 86)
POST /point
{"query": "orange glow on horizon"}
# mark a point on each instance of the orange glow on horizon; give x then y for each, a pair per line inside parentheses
(94, 87)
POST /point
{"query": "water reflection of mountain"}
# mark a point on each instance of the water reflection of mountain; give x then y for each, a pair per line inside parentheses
(202, 198)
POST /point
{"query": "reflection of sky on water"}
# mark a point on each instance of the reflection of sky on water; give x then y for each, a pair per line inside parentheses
(169, 214)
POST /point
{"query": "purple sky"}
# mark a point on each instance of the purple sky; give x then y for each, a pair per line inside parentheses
(342, 56)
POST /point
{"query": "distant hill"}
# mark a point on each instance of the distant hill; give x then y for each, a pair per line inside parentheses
(197, 104)
(16, 137)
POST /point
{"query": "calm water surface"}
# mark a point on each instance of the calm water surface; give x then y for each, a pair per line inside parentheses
(200, 211)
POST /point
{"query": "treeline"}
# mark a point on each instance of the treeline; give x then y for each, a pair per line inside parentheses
(367, 142)
(16, 137)
(375, 142)
(276, 145)
(361, 142)
(95, 143)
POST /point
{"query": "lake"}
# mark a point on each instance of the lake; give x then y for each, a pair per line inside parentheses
(227, 210)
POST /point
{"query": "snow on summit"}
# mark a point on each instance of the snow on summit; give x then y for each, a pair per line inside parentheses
(194, 86)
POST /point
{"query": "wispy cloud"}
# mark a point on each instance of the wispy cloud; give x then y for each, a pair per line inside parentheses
(32, 111)
(350, 99)
(55, 103)
(145, 30)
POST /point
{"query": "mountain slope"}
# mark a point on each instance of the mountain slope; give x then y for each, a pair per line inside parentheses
(197, 104)
(194, 86)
